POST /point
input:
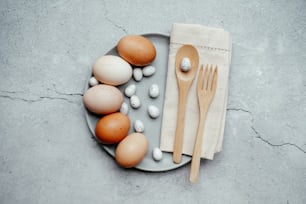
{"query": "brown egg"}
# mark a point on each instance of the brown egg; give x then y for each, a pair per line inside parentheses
(136, 49)
(103, 99)
(112, 128)
(131, 150)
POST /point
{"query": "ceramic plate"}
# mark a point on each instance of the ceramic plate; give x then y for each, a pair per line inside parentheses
(152, 126)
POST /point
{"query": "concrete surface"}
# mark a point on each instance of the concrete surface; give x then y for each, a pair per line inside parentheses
(47, 154)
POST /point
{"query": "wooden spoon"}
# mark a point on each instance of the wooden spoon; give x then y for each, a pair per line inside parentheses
(184, 80)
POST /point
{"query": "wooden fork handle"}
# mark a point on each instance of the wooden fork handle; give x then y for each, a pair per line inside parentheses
(196, 157)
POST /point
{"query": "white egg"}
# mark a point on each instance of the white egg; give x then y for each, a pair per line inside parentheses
(154, 91)
(153, 111)
(135, 102)
(139, 126)
(112, 70)
(157, 154)
(137, 74)
(93, 81)
(130, 90)
(148, 71)
(103, 99)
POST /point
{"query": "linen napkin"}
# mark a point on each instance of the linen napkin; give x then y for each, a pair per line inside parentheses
(214, 47)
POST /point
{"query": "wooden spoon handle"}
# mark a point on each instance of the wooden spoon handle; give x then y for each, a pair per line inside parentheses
(180, 123)
(196, 156)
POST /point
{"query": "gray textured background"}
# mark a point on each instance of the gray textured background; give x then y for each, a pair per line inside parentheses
(47, 154)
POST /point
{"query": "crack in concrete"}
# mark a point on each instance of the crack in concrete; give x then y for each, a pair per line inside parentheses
(12, 96)
(111, 21)
(18, 98)
(275, 145)
(259, 136)
(239, 109)
(62, 93)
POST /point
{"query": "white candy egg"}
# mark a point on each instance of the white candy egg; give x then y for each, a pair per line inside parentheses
(153, 111)
(137, 74)
(139, 126)
(185, 64)
(93, 81)
(148, 71)
(154, 91)
(157, 154)
(135, 101)
(124, 108)
(130, 90)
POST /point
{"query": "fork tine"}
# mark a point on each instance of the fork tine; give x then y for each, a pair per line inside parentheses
(215, 79)
(206, 73)
(200, 78)
(210, 78)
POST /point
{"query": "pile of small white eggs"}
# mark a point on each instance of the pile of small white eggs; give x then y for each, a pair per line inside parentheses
(130, 91)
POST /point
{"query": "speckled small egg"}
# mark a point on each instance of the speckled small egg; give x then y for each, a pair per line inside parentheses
(112, 70)
(130, 90)
(148, 71)
(154, 91)
(153, 111)
(124, 108)
(93, 81)
(137, 74)
(157, 154)
(185, 64)
(131, 150)
(139, 126)
(135, 102)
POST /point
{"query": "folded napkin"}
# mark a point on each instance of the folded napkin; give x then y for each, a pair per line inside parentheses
(214, 47)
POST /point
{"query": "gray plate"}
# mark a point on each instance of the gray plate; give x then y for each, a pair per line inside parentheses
(152, 126)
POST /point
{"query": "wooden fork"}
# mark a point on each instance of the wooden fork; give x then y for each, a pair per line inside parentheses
(206, 89)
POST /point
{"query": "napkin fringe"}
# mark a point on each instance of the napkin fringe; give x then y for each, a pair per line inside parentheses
(205, 47)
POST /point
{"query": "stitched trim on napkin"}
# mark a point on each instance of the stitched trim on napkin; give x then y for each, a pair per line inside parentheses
(205, 47)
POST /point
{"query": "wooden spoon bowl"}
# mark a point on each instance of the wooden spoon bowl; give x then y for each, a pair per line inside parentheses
(186, 51)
